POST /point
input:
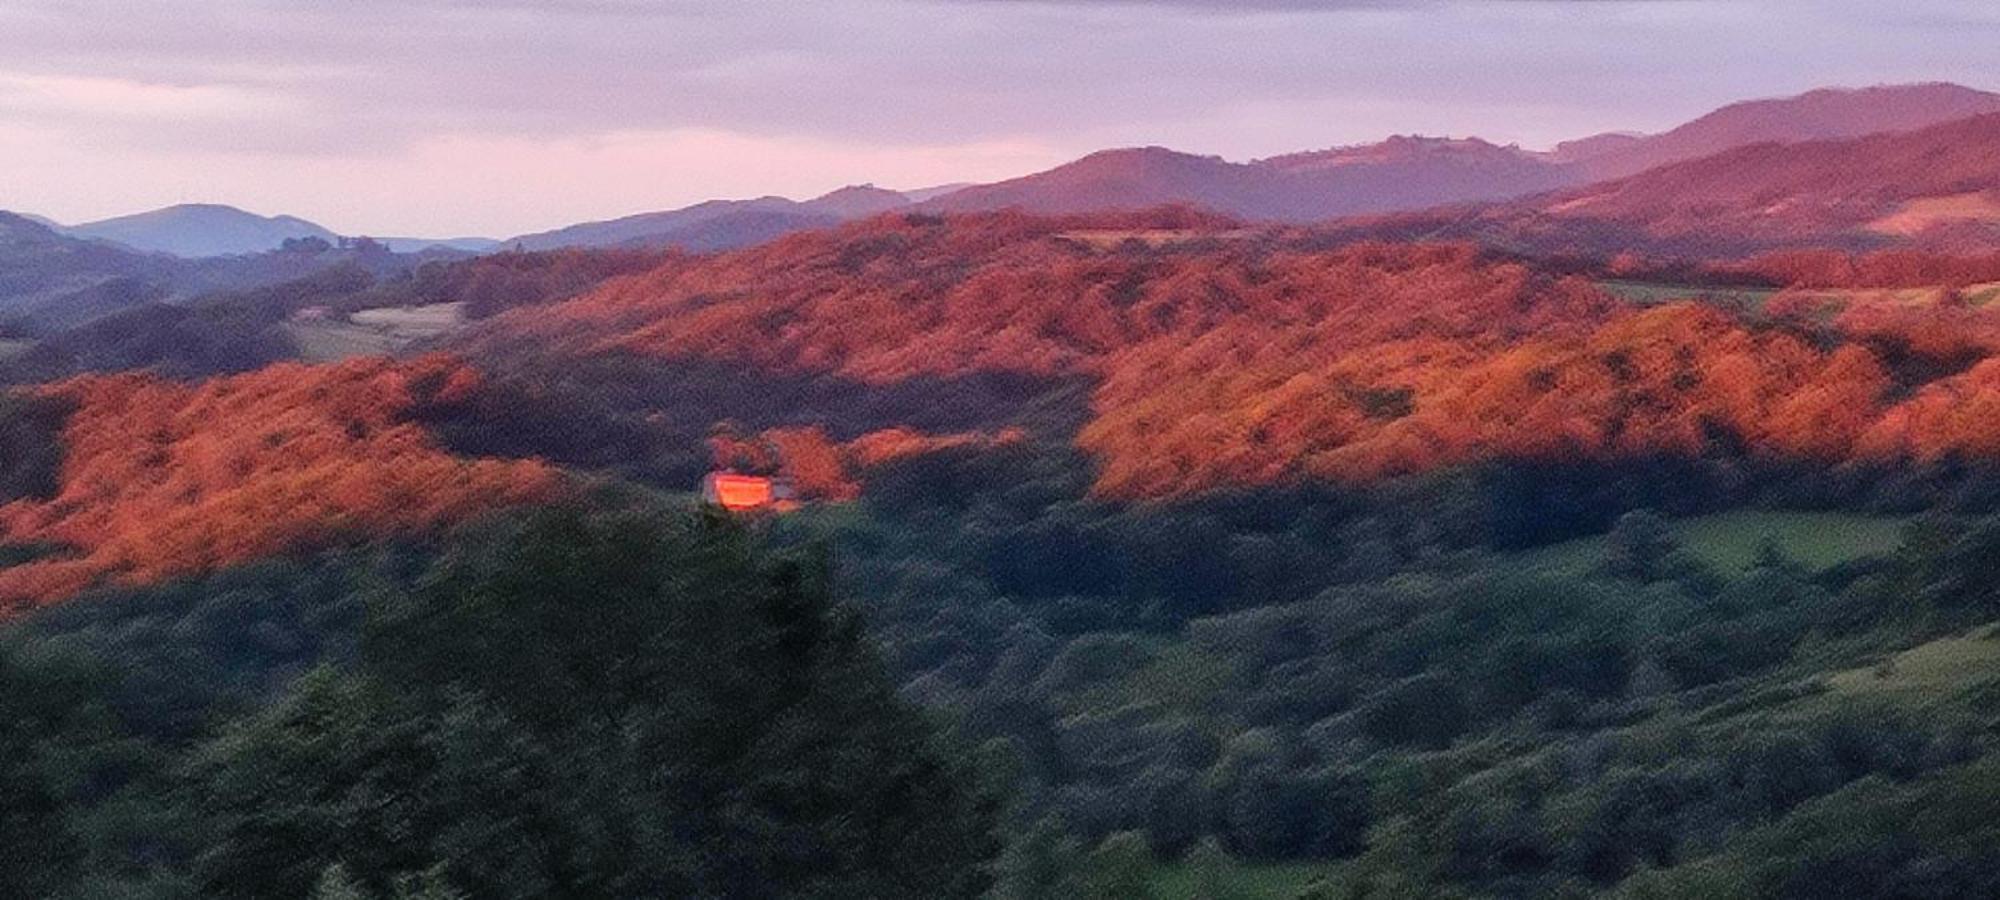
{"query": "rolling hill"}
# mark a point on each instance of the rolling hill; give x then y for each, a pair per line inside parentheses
(457, 244)
(1936, 187)
(200, 229)
(248, 466)
(1816, 115)
(1409, 173)
(1228, 357)
(1400, 173)
(718, 224)
(49, 279)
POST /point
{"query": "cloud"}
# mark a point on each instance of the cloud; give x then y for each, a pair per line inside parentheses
(1262, 6)
(492, 184)
(63, 96)
(146, 95)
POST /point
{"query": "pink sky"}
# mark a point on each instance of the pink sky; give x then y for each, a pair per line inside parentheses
(440, 117)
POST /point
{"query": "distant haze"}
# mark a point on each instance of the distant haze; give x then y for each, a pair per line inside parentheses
(445, 117)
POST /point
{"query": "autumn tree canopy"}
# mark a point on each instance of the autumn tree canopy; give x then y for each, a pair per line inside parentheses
(1226, 357)
(162, 478)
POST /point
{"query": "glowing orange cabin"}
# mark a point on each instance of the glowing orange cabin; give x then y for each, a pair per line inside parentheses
(745, 493)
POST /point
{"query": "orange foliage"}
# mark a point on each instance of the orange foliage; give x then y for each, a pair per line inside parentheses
(890, 444)
(892, 299)
(814, 462)
(1881, 269)
(1953, 417)
(895, 298)
(164, 479)
(1261, 357)
(1667, 380)
(1790, 194)
(821, 468)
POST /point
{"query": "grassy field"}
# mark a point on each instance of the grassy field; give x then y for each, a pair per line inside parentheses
(1647, 293)
(1926, 673)
(1751, 300)
(1152, 237)
(1279, 881)
(1926, 212)
(1730, 541)
(1982, 294)
(374, 332)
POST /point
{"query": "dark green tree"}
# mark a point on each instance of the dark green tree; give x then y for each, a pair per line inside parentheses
(599, 707)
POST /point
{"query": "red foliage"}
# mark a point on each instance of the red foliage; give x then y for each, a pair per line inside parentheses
(814, 463)
(821, 468)
(899, 297)
(1778, 193)
(890, 444)
(496, 282)
(1936, 188)
(1247, 358)
(1881, 269)
(895, 298)
(1671, 379)
(164, 479)
(1952, 417)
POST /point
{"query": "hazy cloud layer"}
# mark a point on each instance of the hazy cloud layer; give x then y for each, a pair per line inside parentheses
(446, 116)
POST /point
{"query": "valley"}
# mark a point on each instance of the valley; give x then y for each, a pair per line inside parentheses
(1429, 517)
(379, 331)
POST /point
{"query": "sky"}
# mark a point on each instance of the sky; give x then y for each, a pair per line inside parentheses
(457, 117)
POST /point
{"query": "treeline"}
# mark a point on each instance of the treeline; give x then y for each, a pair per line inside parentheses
(1927, 188)
(160, 478)
(1879, 269)
(581, 705)
(1225, 361)
(1263, 359)
(31, 449)
(232, 331)
(1439, 721)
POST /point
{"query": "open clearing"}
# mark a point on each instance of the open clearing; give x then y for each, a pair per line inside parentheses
(1251, 881)
(373, 332)
(1154, 238)
(1729, 541)
(1973, 295)
(1648, 293)
(1927, 672)
(1752, 300)
(1919, 215)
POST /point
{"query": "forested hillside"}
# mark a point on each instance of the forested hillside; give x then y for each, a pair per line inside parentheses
(52, 282)
(1633, 540)
(604, 705)
(1928, 188)
(1228, 358)
(160, 479)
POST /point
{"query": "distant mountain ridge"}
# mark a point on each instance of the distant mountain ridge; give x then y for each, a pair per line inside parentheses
(1935, 188)
(1822, 114)
(1411, 172)
(201, 229)
(1938, 186)
(1400, 174)
(719, 224)
(1404, 172)
(50, 280)
(48, 277)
